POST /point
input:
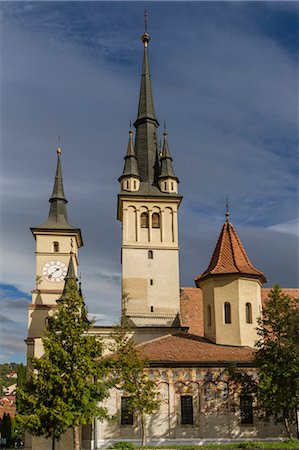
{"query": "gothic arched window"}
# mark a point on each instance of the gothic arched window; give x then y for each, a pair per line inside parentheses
(55, 247)
(144, 220)
(227, 313)
(150, 254)
(156, 220)
(248, 313)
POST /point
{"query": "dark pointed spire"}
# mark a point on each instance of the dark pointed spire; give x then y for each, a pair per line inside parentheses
(57, 215)
(146, 124)
(166, 160)
(71, 274)
(131, 166)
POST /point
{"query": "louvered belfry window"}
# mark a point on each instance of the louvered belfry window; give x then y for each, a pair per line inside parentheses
(144, 220)
(126, 417)
(156, 220)
(186, 409)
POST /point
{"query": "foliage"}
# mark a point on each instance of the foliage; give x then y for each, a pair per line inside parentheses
(291, 443)
(21, 380)
(131, 375)
(67, 383)
(123, 445)
(277, 357)
(251, 444)
(5, 369)
(277, 360)
(6, 428)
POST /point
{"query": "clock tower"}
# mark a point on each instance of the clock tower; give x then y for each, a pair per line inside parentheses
(55, 240)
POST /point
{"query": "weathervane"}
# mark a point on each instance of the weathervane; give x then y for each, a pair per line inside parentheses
(145, 20)
(58, 151)
(227, 211)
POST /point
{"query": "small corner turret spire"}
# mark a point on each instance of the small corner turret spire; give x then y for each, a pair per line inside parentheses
(131, 166)
(227, 211)
(166, 160)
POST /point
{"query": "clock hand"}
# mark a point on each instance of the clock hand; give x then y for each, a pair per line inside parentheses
(50, 274)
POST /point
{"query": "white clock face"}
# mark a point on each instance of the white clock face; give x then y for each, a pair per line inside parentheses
(54, 271)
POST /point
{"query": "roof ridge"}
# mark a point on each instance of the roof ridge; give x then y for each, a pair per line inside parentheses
(154, 340)
(221, 247)
(232, 230)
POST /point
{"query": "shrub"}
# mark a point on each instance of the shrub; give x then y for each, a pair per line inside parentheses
(122, 445)
(250, 444)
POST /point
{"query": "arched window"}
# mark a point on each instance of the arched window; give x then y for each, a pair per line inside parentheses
(248, 313)
(209, 316)
(56, 247)
(150, 254)
(156, 220)
(227, 313)
(144, 220)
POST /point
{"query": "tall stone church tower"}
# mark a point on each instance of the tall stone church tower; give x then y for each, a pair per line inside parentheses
(147, 207)
(55, 240)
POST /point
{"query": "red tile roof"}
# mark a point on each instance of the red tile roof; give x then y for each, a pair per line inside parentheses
(192, 310)
(183, 347)
(230, 257)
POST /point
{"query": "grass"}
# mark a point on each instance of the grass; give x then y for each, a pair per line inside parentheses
(291, 443)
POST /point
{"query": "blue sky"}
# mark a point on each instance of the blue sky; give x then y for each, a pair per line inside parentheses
(225, 79)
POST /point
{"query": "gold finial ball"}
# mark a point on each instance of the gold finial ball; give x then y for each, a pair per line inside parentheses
(58, 151)
(145, 38)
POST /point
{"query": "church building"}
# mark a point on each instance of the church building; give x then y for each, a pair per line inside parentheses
(189, 336)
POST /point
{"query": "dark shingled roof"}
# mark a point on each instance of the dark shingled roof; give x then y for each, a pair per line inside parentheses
(57, 218)
(166, 161)
(146, 140)
(131, 166)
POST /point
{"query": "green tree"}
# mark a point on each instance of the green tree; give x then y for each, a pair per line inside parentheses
(6, 428)
(277, 358)
(20, 382)
(69, 381)
(131, 375)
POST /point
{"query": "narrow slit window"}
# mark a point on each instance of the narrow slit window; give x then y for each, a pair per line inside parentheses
(227, 313)
(144, 220)
(127, 184)
(151, 282)
(172, 186)
(152, 309)
(156, 220)
(56, 247)
(150, 254)
(248, 313)
(246, 409)
(186, 410)
(209, 316)
(126, 416)
(134, 184)
(165, 186)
